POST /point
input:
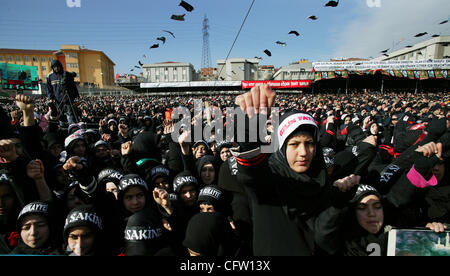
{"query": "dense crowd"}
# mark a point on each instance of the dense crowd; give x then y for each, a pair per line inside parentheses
(347, 169)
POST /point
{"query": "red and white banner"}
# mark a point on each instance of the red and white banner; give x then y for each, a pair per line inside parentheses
(278, 84)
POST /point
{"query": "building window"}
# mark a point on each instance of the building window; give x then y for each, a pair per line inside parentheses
(8, 58)
(72, 65)
(1, 57)
(26, 58)
(44, 68)
(35, 59)
(50, 59)
(72, 55)
(43, 59)
(17, 58)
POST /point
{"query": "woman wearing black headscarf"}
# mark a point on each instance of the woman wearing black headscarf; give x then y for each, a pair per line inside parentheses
(289, 190)
(38, 232)
(207, 170)
(209, 234)
(367, 223)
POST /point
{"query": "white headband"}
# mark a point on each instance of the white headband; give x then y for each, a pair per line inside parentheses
(291, 123)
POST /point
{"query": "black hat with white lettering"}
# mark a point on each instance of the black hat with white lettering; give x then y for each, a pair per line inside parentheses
(183, 178)
(211, 194)
(363, 191)
(109, 175)
(159, 171)
(85, 215)
(4, 177)
(37, 207)
(144, 234)
(130, 180)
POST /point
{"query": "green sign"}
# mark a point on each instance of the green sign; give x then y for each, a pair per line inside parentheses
(18, 77)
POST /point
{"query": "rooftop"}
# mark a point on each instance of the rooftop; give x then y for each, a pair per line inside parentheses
(27, 51)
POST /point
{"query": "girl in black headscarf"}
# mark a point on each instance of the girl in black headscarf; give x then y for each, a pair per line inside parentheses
(38, 232)
(207, 170)
(289, 190)
(209, 234)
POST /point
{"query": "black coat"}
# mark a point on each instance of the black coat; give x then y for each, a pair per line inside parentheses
(60, 83)
(292, 213)
(240, 205)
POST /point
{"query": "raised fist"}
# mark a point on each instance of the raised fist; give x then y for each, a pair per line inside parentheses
(259, 99)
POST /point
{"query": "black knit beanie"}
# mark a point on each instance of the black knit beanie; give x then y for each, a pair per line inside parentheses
(37, 207)
(183, 178)
(109, 175)
(362, 191)
(144, 234)
(130, 180)
(211, 194)
(85, 215)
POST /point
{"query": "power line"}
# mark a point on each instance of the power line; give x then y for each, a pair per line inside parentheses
(237, 36)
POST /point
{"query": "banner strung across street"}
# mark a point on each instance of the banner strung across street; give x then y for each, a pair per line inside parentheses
(411, 74)
(278, 84)
(415, 65)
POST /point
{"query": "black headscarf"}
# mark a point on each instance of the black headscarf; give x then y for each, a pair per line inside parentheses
(45, 210)
(206, 160)
(302, 193)
(145, 234)
(210, 235)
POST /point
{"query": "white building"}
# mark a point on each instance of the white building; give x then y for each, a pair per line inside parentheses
(435, 48)
(169, 72)
(295, 71)
(238, 69)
